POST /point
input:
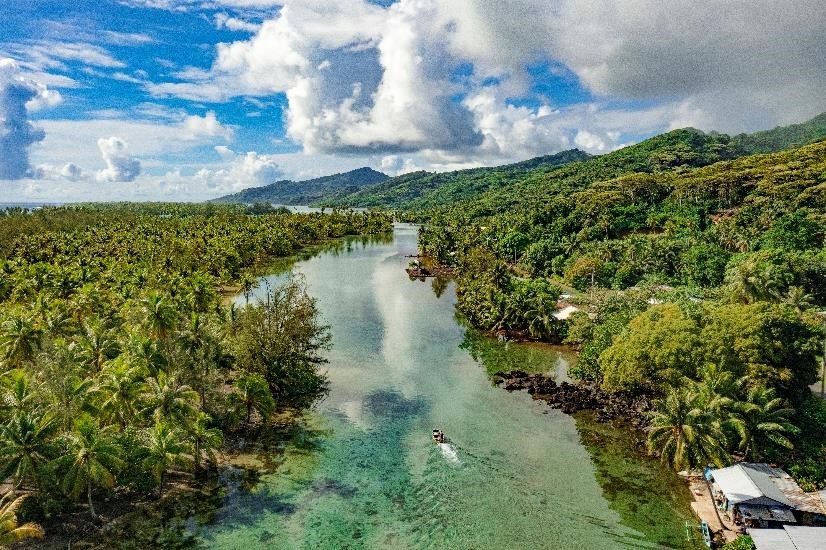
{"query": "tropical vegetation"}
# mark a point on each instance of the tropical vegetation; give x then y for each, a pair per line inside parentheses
(124, 368)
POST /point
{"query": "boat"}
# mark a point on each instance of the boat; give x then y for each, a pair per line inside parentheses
(438, 436)
(706, 533)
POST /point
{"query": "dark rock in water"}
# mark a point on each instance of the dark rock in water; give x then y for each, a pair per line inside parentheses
(571, 398)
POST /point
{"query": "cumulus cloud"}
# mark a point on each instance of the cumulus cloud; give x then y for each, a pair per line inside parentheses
(363, 78)
(396, 165)
(18, 94)
(120, 165)
(69, 172)
(198, 127)
(242, 170)
(740, 64)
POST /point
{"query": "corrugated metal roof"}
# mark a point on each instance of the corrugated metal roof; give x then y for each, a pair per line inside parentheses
(769, 513)
(791, 537)
(747, 482)
(771, 539)
(807, 538)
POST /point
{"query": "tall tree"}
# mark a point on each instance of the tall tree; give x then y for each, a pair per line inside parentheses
(165, 447)
(26, 445)
(685, 432)
(91, 460)
(762, 422)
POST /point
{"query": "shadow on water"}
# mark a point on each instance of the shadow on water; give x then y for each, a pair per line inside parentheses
(649, 496)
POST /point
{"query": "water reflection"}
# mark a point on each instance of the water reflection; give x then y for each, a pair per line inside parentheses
(513, 475)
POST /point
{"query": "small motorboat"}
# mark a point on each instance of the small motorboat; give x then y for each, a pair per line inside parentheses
(438, 436)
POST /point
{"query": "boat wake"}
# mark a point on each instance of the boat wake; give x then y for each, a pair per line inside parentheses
(449, 453)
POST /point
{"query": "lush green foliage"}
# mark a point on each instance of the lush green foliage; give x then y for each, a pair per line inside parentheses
(684, 256)
(120, 363)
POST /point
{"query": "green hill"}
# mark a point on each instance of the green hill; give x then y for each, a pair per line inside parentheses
(782, 137)
(306, 192)
(499, 189)
(422, 189)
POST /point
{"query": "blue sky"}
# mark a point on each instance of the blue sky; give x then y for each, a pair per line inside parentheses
(189, 99)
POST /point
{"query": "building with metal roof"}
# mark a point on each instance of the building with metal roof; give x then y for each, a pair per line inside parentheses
(790, 537)
(759, 495)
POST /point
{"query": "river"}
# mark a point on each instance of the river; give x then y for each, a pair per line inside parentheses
(363, 472)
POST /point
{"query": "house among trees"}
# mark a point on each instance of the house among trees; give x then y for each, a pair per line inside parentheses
(758, 495)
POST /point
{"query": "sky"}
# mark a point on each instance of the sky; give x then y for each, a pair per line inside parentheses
(191, 99)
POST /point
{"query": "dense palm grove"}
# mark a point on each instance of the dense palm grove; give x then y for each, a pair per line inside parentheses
(697, 262)
(122, 365)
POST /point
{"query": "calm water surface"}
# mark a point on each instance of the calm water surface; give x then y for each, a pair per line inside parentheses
(366, 474)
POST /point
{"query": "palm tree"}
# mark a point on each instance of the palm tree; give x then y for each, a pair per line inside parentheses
(119, 387)
(97, 344)
(91, 460)
(685, 431)
(255, 395)
(165, 447)
(167, 399)
(798, 298)
(718, 388)
(26, 444)
(10, 530)
(204, 440)
(19, 341)
(159, 315)
(70, 397)
(16, 392)
(762, 422)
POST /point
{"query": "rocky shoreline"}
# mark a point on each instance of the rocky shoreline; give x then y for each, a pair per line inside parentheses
(571, 398)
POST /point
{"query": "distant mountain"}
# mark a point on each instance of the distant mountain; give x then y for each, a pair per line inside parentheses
(308, 191)
(425, 189)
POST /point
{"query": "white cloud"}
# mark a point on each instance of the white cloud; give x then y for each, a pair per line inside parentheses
(156, 132)
(120, 165)
(395, 165)
(18, 95)
(361, 78)
(196, 127)
(224, 21)
(127, 38)
(72, 172)
(241, 170)
(49, 51)
(69, 172)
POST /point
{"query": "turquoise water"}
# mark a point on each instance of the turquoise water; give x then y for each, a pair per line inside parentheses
(364, 472)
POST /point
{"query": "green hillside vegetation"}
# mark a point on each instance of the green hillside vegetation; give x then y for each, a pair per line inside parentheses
(305, 192)
(422, 189)
(782, 137)
(678, 149)
(699, 272)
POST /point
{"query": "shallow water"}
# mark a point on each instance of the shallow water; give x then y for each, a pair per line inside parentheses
(366, 474)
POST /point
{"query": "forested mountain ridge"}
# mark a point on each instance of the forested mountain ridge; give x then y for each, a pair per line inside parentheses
(672, 150)
(782, 137)
(423, 189)
(306, 192)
